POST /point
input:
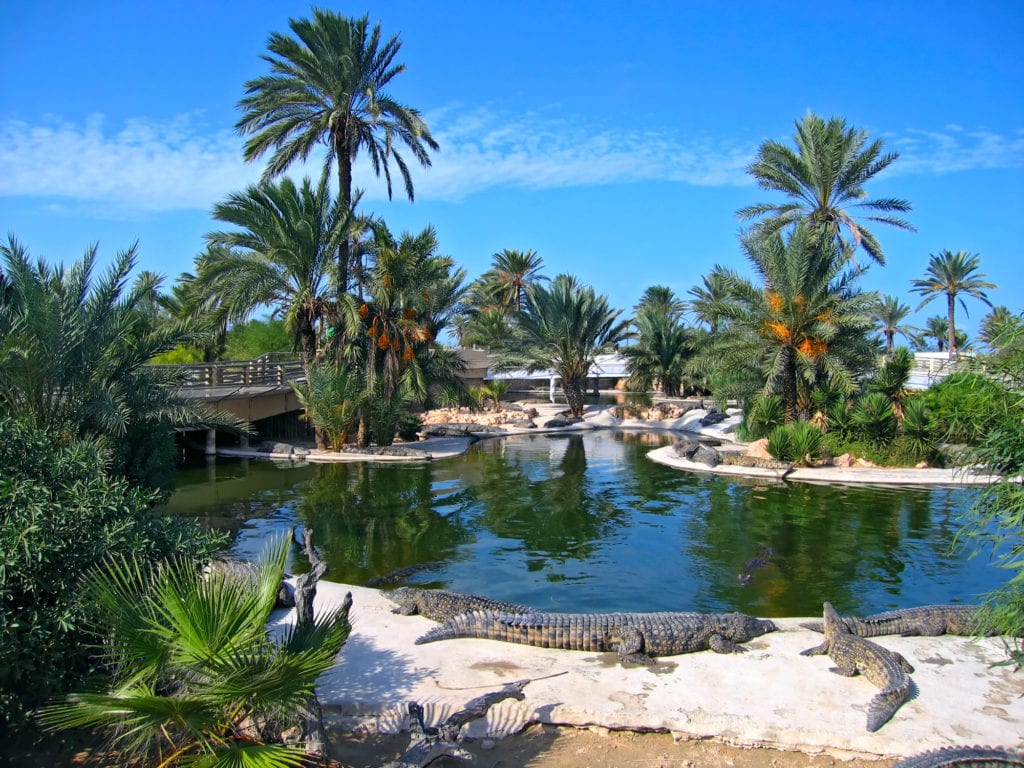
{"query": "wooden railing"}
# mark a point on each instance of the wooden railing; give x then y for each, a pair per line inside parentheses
(260, 371)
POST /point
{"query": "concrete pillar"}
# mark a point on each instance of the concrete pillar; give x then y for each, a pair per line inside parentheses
(243, 441)
(551, 389)
(211, 442)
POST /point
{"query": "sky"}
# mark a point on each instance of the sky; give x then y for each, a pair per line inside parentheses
(612, 138)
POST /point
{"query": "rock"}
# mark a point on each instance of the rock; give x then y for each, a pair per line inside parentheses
(686, 448)
(705, 454)
(865, 463)
(759, 449)
(286, 449)
(921, 465)
(844, 461)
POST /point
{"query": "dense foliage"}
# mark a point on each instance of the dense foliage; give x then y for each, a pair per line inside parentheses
(61, 512)
(194, 677)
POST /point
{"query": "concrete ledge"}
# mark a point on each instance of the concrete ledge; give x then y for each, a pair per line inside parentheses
(769, 696)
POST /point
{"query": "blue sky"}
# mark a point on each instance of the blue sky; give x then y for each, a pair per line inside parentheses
(609, 137)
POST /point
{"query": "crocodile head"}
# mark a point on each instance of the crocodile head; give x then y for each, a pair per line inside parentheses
(406, 600)
(740, 627)
(833, 624)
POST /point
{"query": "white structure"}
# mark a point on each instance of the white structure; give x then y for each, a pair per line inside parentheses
(605, 366)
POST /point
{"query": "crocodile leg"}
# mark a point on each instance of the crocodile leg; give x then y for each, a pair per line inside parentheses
(844, 668)
(721, 644)
(631, 648)
(931, 626)
(818, 650)
(905, 665)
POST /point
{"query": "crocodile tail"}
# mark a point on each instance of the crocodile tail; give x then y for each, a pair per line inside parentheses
(814, 626)
(884, 706)
(950, 757)
(464, 625)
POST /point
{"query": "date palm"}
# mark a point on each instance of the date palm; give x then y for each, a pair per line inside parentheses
(563, 328)
(74, 351)
(888, 316)
(824, 178)
(659, 355)
(707, 298)
(953, 275)
(516, 272)
(280, 255)
(328, 85)
(802, 321)
(998, 327)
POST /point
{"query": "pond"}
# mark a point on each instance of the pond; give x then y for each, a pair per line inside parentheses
(585, 522)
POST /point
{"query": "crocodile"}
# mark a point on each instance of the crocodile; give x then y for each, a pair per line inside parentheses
(852, 654)
(965, 757)
(930, 620)
(636, 637)
(442, 605)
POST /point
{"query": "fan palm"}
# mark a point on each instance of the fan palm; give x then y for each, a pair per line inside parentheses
(952, 275)
(888, 316)
(281, 255)
(824, 177)
(328, 84)
(563, 328)
(803, 321)
(195, 678)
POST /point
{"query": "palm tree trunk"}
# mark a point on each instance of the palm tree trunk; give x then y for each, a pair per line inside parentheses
(344, 160)
(363, 433)
(574, 396)
(951, 339)
(789, 395)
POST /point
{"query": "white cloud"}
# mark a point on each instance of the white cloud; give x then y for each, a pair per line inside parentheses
(144, 166)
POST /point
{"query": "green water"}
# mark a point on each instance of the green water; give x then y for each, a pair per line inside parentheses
(587, 523)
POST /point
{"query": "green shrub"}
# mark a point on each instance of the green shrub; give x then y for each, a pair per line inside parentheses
(798, 442)
(764, 415)
(409, 427)
(873, 418)
(331, 397)
(966, 406)
(258, 337)
(61, 512)
(918, 429)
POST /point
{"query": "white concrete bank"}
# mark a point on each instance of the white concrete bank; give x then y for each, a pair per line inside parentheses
(769, 696)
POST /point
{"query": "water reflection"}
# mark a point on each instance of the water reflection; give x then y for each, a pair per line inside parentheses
(585, 522)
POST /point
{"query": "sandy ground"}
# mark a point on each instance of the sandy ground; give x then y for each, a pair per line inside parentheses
(545, 746)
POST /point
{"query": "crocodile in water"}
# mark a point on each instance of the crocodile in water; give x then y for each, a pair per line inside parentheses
(965, 757)
(852, 654)
(442, 605)
(928, 620)
(636, 637)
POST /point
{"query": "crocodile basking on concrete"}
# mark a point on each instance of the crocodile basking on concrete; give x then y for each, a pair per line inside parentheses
(965, 757)
(636, 637)
(852, 654)
(930, 620)
(442, 605)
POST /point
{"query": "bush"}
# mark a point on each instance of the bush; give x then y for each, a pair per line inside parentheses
(764, 415)
(409, 427)
(61, 513)
(872, 416)
(918, 429)
(966, 406)
(798, 442)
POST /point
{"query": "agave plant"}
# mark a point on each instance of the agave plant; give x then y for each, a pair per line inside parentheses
(195, 678)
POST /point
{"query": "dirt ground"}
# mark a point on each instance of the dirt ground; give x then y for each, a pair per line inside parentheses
(536, 747)
(552, 747)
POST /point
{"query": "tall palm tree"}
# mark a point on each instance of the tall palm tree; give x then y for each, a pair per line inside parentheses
(999, 326)
(660, 299)
(888, 316)
(563, 328)
(516, 272)
(824, 178)
(74, 351)
(658, 358)
(328, 84)
(281, 255)
(952, 275)
(195, 680)
(803, 321)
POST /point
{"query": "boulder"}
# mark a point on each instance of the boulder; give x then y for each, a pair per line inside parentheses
(759, 449)
(686, 448)
(705, 454)
(845, 461)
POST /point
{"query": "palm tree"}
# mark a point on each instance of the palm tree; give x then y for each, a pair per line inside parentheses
(398, 317)
(804, 321)
(328, 84)
(195, 678)
(952, 275)
(824, 178)
(889, 315)
(659, 356)
(74, 354)
(281, 255)
(707, 299)
(998, 327)
(563, 328)
(660, 299)
(516, 272)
